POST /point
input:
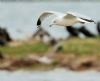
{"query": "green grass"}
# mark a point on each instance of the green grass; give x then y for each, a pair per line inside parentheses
(71, 46)
(24, 49)
(82, 46)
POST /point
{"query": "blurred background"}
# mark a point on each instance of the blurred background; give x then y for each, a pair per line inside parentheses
(20, 17)
(42, 51)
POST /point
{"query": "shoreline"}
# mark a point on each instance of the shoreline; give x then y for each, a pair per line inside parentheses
(74, 56)
(69, 62)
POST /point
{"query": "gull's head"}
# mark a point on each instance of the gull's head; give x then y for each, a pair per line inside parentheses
(54, 22)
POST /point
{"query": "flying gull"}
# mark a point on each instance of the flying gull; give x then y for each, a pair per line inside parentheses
(61, 19)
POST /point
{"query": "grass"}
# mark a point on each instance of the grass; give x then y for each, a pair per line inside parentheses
(24, 49)
(75, 46)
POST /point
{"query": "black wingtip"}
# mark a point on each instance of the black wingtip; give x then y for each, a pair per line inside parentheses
(95, 22)
(38, 22)
(87, 20)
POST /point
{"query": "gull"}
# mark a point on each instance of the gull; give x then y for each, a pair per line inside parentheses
(64, 19)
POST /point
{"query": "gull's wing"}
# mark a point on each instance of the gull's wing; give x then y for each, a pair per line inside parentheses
(46, 14)
(69, 16)
(79, 16)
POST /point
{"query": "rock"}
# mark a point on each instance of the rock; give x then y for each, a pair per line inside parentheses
(23, 62)
(67, 61)
(6, 65)
(84, 63)
(17, 63)
(41, 59)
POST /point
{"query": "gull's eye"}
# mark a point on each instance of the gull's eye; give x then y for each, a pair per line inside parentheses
(54, 21)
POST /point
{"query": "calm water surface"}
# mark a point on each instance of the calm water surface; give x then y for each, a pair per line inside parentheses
(54, 75)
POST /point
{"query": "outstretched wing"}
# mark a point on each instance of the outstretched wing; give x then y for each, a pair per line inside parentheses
(69, 16)
(46, 14)
(79, 16)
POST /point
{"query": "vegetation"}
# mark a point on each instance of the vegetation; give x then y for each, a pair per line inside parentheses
(24, 49)
(75, 46)
(89, 48)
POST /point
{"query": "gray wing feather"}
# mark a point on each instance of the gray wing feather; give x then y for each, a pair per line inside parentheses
(46, 14)
(68, 15)
(77, 15)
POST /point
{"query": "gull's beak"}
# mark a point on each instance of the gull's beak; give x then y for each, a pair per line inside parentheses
(50, 25)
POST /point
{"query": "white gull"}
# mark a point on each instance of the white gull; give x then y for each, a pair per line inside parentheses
(64, 19)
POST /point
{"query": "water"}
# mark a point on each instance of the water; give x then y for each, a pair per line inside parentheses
(54, 75)
(20, 17)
